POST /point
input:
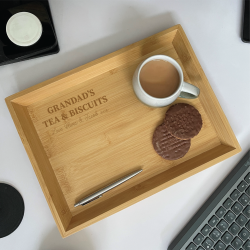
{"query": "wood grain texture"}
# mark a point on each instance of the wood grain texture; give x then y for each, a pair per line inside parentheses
(85, 129)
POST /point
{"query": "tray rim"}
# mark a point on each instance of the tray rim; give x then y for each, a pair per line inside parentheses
(70, 230)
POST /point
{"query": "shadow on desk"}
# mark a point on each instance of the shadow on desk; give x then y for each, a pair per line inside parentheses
(78, 241)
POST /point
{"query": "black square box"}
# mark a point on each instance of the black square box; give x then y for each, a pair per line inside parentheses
(47, 44)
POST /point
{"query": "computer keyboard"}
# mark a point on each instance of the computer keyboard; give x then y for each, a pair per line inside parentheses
(223, 222)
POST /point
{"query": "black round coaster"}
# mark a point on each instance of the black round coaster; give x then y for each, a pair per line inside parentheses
(11, 209)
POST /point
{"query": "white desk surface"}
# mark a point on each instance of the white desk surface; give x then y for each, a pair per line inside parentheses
(87, 30)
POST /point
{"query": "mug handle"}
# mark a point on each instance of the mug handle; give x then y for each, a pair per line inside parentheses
(189, 91)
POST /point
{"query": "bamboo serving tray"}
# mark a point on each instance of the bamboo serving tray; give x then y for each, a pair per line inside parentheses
(84, 129)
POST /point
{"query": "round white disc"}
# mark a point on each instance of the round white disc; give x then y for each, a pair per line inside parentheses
(24, 29)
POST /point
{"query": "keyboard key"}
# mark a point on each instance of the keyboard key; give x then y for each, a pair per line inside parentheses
(230, 217)
(191, 246)
(234, 229)
(213, 221)
(206, 230)
(198, 239)
(230, 248)
(228, 203)
(248, 225)
(227, 238)
(242, 186)
(222, 225)
(220, 246)
(235, 194)
(247, 211)
(220, 212)
(247, 178)
(237, 243)
(241, 220)
(247, 245)
(248, 191)
(244, 234)
(215, 235)
(244, 200)
(200, 248)
(237, 207)
(208, 243)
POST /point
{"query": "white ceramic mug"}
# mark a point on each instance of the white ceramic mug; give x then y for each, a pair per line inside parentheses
(185, 90)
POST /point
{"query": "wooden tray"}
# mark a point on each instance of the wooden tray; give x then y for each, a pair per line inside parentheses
(110, 135)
